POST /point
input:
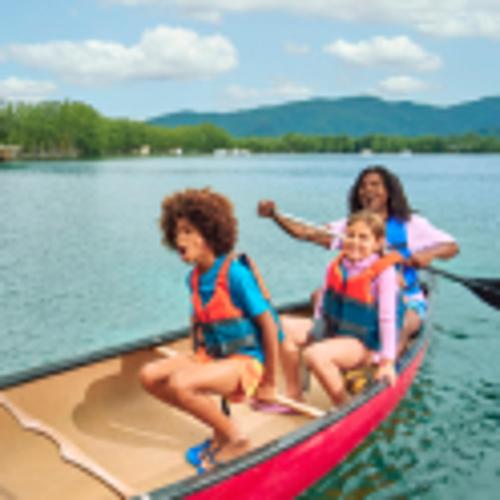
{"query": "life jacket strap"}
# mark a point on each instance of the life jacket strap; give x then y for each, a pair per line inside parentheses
(222, 349)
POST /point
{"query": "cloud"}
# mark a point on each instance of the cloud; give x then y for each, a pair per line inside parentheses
(162, 53)
(402, 85)
(398, 51)
(16, 89)
(449, 18)
(242, 94)
(279, 92)
(299, 49)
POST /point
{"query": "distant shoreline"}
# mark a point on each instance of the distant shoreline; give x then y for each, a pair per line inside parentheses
(60, 159)
(72, 130)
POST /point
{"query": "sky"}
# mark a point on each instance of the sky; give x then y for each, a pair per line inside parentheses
(139, 59)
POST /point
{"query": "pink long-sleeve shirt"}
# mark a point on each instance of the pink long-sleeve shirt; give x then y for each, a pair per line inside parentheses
(385, 289)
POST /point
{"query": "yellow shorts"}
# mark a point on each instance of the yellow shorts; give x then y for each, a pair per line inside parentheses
(250, 372)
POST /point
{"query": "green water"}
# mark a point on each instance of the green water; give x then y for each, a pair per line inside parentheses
(82, 268)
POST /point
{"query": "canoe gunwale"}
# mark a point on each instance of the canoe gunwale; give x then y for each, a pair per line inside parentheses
(22, 376)
(197, 483)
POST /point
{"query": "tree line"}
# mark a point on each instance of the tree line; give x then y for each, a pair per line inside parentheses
(76, 130)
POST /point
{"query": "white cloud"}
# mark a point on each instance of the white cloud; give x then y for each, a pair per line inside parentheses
(403, 85)
(398, 51)
(242, 94)
(479, 18)
(299, 49)
(16, 89)
(290, 90)
(280, 91)
(162, 53)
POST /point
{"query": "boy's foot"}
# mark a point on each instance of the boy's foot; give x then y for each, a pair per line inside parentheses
(194, 454)
(213, 457)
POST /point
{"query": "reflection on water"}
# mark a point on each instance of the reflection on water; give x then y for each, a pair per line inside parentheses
(82, 268)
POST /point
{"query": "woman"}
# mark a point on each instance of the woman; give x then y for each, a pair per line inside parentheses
(379, 190)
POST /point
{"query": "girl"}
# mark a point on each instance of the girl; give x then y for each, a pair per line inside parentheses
(235, 335)
(357, 322)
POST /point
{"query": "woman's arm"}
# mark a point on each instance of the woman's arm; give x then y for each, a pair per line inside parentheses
(300, 230)
(425, 257)
(426, 242)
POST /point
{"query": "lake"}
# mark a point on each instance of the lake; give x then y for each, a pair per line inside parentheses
(82, 268)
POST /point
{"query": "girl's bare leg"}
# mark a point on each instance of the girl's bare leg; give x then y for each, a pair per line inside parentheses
(296, 331)
(328, 357)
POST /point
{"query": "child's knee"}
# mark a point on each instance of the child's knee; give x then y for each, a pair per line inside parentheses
(288, 347)
(312, 355)
(178, 386)
(147, 377)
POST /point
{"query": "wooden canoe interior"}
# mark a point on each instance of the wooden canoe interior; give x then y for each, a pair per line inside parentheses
(101, 418)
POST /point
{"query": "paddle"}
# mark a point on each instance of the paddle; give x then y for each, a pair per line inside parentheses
(486, 289)
(305, 409)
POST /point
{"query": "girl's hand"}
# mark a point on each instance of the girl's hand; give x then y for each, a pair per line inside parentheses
(387, 371)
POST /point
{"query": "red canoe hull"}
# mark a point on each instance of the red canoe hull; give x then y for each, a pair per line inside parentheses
(289, 472)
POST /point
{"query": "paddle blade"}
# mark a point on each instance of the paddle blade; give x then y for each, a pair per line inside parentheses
(486, 289)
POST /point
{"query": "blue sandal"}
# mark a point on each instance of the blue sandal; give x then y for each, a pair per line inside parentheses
(194, 455)
(202, 451)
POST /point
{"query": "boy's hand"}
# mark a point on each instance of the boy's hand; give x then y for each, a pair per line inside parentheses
(266, 392)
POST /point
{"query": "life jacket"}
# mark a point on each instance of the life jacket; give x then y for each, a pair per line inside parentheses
(220, 327)
(397, 239)
(349, 307)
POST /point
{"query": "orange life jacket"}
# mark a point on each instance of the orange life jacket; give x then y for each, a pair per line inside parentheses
(349, 307)
(223, 326)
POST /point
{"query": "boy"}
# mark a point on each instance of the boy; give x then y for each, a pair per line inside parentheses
(234, 331)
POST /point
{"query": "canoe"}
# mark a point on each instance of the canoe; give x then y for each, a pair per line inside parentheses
(87, 429)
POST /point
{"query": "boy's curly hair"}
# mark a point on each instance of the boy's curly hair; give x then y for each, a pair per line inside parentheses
(211, 213)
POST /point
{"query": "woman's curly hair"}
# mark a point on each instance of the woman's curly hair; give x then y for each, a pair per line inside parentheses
(211, 213)
(397, 203)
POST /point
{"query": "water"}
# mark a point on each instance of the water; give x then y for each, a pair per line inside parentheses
(82, 269)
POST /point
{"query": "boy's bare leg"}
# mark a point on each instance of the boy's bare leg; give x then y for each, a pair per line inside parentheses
(296, 332)
(155, 376)
(192, 387)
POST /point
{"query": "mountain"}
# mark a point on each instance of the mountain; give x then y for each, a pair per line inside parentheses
(354, 116)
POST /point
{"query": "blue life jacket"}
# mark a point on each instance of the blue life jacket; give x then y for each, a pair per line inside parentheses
(397, 238)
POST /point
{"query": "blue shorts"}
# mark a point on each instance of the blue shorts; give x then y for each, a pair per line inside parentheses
(418, 305)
